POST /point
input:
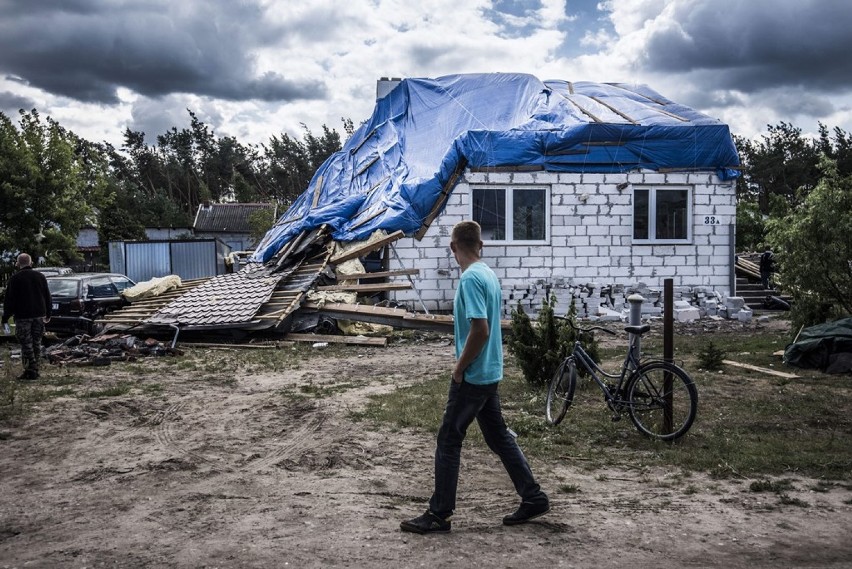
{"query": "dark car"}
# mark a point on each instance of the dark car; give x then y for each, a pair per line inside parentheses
(79, 299)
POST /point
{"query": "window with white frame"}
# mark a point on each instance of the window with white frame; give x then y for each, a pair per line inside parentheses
(512, 214)
(662, 214)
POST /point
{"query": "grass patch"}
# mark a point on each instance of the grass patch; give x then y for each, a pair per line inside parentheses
(749, 425)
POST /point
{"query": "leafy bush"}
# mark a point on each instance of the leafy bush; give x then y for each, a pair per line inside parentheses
(540, 348)
(814, 252)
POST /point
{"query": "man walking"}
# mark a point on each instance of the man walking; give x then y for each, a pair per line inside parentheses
(473, 392)
(28, 302)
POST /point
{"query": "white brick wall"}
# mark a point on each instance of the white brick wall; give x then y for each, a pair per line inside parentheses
(590, 241)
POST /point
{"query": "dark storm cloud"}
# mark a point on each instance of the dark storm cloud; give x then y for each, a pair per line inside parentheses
(86, 49)
(10, 104)
(757, 45)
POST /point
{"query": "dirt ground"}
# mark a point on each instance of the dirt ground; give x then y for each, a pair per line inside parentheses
(207, 474)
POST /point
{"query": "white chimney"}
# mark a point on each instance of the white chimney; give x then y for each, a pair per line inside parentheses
(385, 85)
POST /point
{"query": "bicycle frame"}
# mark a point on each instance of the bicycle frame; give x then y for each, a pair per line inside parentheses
(629, 365)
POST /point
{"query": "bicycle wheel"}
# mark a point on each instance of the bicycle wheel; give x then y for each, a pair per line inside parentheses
(561, 391)
(662, 400)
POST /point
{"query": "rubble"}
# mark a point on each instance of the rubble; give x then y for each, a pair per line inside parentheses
(104, 349)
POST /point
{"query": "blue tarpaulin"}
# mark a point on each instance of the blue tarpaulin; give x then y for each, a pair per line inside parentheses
(392, 170)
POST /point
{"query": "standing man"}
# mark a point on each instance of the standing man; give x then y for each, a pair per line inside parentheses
(473, 392)
(767, 266)
(28, 301)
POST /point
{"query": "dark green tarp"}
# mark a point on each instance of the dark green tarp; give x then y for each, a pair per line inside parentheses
(827, 347)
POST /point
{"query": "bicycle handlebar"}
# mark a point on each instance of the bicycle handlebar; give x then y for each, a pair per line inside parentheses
(587, 330)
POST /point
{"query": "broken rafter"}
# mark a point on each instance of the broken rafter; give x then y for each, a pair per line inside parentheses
(377, 287)
(378, 274)
(367, 247)
(317, 192)
(442, 198)
(373, 215)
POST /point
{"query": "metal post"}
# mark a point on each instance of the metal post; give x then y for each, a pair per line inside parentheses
(635, 301)
(668, 349)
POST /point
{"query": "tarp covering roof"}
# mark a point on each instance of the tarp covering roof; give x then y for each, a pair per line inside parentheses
(394, 168)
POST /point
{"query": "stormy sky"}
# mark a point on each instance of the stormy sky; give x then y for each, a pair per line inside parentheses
(258, 68)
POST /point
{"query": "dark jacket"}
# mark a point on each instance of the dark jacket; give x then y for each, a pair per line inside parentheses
(767, 262)
(27, 296)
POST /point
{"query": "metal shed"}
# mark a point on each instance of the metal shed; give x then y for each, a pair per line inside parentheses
(188, 259)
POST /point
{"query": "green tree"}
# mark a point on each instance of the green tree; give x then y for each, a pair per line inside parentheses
(813, 249)
(540, 347)
(44, 188)
(783, 163)
(261, 221)
(288, 164)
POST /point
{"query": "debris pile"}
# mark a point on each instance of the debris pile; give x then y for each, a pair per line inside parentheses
(104, 349)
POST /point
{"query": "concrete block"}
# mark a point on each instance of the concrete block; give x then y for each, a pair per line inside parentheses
(690, 314)
(735, 302)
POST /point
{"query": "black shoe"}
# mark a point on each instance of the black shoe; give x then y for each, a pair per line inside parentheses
(427, 523)
(526, 512)
(28, 375)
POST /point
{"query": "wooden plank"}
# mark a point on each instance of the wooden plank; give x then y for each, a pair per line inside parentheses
(396, 317)
(373, 215)
(761, 369)
(366, 248)
(613, 109)
(377, 287)
(442, 197)
(317, 192)
(358, 340)
(378, 274)
(235, 346)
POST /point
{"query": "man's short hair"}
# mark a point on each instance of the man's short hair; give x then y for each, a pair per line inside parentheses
(24, 260)
(467, 235)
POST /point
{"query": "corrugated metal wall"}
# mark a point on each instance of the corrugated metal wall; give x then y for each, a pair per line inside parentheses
(145, 260)
(194, 259)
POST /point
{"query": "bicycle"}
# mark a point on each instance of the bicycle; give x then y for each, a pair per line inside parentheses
(659, 396)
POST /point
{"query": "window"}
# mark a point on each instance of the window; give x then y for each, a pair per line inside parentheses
(662, 214)
(527, 221)
(101, 287)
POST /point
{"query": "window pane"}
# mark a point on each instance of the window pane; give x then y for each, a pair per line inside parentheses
(528, 215)
(489, 211)
(671, 210)
(640, 214)
(101, 288)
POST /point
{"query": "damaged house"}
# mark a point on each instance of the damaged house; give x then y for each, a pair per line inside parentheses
(573, 183)
(576, 185)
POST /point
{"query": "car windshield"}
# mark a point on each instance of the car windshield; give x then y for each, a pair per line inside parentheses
(62, 287)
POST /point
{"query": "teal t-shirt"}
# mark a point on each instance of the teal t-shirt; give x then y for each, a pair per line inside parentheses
(479, 296)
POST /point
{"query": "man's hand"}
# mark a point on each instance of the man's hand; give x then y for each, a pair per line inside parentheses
(458, 374)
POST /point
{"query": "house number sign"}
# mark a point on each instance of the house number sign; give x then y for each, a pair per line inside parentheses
(712, 220)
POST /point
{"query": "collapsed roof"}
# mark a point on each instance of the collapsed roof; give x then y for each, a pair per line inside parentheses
(395, 171)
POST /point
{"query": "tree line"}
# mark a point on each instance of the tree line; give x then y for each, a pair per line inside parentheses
(794, 194)
(54, 182)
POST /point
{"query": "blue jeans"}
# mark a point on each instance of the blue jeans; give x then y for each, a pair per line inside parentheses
(465, 403)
